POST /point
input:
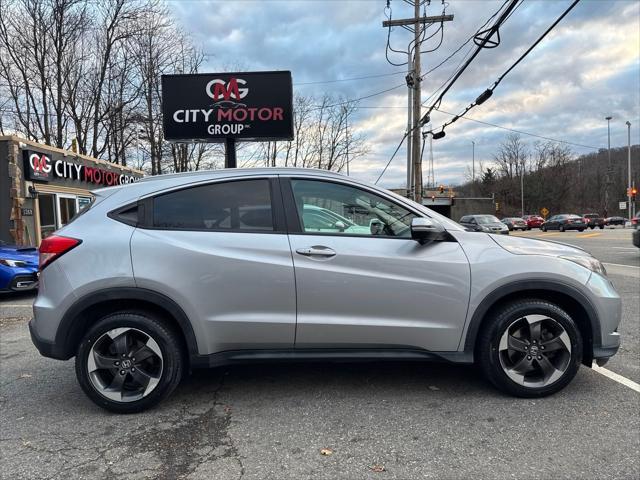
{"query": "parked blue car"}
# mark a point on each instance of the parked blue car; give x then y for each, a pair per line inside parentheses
(18, 268)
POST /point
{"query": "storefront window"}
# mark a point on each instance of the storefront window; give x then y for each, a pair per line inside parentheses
(67, 209)
(46, 204)
(83, 202)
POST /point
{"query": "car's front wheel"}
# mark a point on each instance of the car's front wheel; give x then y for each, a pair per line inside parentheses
(129, 361)
(530, 348)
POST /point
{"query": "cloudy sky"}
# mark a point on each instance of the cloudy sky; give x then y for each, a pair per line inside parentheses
(586, 69)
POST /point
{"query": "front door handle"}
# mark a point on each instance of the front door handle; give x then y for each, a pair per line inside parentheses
(316, 251)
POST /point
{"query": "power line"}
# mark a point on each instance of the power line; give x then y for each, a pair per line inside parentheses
(318, 82)
(392, 156)
(486, 39)
(519, 131)
(484, 96)
(353, 100)
(465, 43)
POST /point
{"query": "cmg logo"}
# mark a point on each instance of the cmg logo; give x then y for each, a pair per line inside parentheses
(219, 90)
(40, 164)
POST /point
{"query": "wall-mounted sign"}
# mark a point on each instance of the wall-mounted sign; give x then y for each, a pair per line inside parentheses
(214, 106)
(27, 212)
(40, 167)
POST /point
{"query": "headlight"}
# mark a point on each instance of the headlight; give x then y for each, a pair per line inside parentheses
(591, 263)
(12, 263)
(486, 229)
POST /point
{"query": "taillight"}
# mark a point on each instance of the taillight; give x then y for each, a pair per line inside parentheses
(53, 247)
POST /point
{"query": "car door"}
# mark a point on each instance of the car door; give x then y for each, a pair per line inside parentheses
(552, 223)
(473, 224)
(221, 252)
(377, 289)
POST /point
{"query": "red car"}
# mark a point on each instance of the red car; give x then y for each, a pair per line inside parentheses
(533, 221)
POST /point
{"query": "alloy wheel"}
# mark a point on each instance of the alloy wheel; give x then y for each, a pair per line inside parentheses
(535, 351)
(125, 364)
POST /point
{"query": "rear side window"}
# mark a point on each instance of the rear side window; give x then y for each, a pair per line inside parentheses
(243, 205)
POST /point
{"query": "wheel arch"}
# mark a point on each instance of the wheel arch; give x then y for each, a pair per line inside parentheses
(567, 297)
(90, 308)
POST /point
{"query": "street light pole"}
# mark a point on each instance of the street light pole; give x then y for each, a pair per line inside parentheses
(522, 190)
(608, 176)
(629, 169)
(473, 161)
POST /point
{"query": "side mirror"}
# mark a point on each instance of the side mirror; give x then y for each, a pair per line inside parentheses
(425, 230)
(340, 225)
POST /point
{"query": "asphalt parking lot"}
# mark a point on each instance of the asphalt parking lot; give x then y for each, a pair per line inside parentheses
(399, 421)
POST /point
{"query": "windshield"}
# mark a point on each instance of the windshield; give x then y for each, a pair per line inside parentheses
(484, 219)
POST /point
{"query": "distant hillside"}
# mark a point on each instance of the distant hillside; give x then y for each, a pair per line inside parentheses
(554, 178)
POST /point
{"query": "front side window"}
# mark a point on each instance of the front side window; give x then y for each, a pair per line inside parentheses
(235, 206)
(484, 219)
(332, 208)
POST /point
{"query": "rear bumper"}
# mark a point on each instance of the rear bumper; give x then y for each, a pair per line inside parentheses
(46, 349)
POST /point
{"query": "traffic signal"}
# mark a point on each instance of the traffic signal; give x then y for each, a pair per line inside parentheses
(441, 188)
(634, 191)
(497, 206)
(433, 198)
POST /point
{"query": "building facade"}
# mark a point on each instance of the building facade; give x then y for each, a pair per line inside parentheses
(42, 187)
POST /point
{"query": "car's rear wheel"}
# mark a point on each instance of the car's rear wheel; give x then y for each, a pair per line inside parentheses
(601, 227)
(129, 361)
(530, 348)
(544, 229)
(561, 228)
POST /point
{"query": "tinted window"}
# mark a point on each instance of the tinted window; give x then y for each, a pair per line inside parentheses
(331, 208)
(484, 219)
(239, 205)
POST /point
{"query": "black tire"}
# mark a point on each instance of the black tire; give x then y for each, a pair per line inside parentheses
(601, 227)
(581, 229)
(592, 227)
(487, 346)
(172, 360)
(528, 228)
(544, 229)
(561, 228)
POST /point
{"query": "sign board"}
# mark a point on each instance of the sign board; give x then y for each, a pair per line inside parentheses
(212, 107)
(544, 212)
(622, 205)
(27, 212)
(41, 168)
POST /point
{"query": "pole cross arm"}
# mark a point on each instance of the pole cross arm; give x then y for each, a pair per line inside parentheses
(404, 22)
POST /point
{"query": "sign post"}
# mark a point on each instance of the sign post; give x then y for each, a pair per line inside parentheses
(228, 107)
(230, 152)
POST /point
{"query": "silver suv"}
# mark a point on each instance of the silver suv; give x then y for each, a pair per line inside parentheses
(202, 269)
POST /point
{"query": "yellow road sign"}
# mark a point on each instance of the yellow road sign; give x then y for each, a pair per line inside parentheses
(544, 212)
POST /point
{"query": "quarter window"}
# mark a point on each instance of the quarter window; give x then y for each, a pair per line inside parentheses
(336, 209)
(243, 205)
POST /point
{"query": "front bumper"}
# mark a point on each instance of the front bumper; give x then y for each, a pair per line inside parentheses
(21, 280)
(608, 305)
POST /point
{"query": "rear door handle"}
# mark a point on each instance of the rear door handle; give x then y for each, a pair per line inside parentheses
(316, 251)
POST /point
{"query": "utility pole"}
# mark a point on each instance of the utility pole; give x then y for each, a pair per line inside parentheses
(414, 81)
(346, 124)
(409, 123)
(629, 170)
(417, 103)
(608, 176)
